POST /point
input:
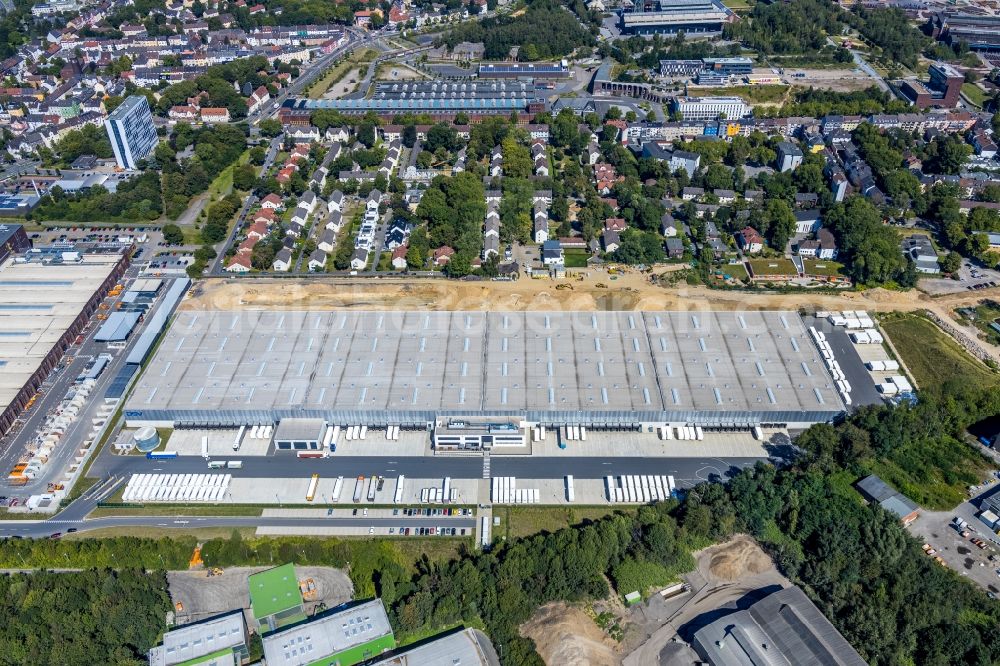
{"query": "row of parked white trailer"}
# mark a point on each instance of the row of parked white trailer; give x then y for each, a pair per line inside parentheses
(261, 432)
(849, 319)
(894, 385)
(356, 432)
(55, 426)
(538, 433)
(177, 488)
(888, 365)
(681, 431)
(843, 386)
(392, 433)
(640, 488)
(504, 490)
(868, 336)
(438, 495)
(574, 433)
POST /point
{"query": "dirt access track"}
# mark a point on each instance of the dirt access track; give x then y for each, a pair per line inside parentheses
(595, 291)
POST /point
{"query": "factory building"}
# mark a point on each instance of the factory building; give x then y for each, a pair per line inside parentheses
(669, 17)
(45, 302)
(981, 32)
(215, 641)
(711, 108)
(523, 70)
(469, 373)
(439, 99)
(13, 240)
(341, 638)
(784, 627)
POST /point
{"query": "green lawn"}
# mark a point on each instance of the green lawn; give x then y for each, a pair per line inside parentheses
(975, 94)
(823, 267)
(526, 521)
(760, 94)
(779, 266)
(576, 258)
(931, 355)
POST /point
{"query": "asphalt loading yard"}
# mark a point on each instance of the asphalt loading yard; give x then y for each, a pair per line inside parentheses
(202, 595)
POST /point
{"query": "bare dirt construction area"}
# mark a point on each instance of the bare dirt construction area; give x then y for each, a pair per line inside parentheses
(736, 559)
(566, 636)
(203, 595)
(839, 80)
(597, 290)
(344, 86)
(729, 576)
(585, 290)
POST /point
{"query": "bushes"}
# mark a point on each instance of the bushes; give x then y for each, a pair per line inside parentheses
(640, 575)
(114, 552)
(90, 617)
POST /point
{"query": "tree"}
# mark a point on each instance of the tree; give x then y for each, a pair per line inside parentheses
(366, 133)
(409, 136)
(244, 177)
(776, 222)
(172, 234)
(269, 127)
(952, 262)
(639, 247)
(870, 248)
(441, 135)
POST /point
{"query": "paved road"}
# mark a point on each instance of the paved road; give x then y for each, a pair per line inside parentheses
(870, 71)
(689, 470)
(43, 529)
(272, 152)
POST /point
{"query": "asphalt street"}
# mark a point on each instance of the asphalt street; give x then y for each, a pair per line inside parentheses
(44, 529)
(687, 471)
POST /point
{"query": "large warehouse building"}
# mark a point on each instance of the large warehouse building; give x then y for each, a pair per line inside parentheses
(44, 304)
(417, 369)
(692, 17)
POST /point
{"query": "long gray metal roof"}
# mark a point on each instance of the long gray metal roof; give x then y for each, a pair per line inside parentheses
(495, 363)
(784, 627)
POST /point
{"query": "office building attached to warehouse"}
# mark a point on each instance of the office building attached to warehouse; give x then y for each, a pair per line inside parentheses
(614, 370)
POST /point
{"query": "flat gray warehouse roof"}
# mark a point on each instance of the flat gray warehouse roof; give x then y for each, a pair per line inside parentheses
(232, 367)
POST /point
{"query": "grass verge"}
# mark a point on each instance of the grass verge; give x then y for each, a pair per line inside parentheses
(931, 355)
(519, 522)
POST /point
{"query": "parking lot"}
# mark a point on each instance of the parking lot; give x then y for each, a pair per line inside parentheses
(960, 553)
(970, 278)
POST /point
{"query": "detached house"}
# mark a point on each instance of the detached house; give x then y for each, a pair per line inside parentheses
(750, 241)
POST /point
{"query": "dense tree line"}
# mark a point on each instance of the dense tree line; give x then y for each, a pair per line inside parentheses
(454, 209)
(136, 199)
(894, 604)
(779, 28)
(890, 29)
(88, 140)
(545, 30)
(803, 27)
(78, 619)
(817, 103)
